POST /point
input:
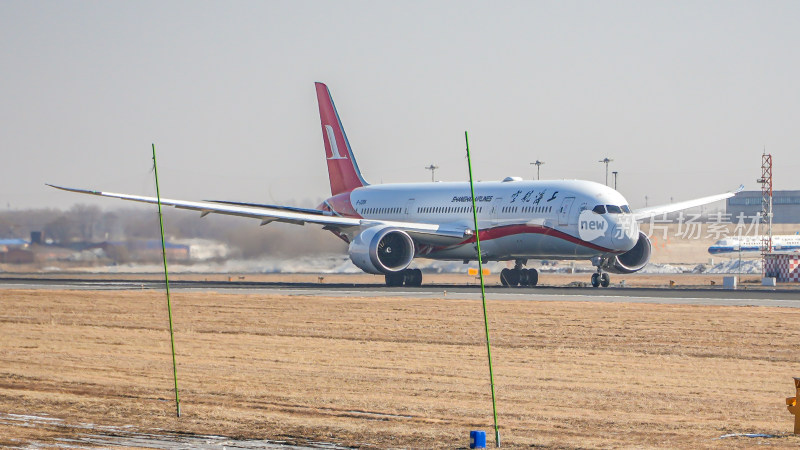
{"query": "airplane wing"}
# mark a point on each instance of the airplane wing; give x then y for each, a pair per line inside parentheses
(424, 232)
(653, 211)
(261, 205)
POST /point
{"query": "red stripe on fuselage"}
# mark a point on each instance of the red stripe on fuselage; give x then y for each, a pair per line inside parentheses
(509, 230)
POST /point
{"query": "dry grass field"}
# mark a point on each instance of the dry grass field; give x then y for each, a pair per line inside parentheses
(399, 373)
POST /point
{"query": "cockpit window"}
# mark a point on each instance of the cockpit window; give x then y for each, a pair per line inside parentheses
(599, 209)
(613, 209)
(625, 209)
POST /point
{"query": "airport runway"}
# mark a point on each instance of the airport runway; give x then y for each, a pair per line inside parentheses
(689, 296)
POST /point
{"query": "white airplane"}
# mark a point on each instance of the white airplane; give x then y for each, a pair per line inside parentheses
(388, 225)
(751, 245)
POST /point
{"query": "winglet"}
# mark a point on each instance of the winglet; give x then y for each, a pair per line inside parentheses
(739, 189)
(80, 191)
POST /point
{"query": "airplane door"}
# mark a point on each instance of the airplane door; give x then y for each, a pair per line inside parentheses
(495, 209)
(409, 207)
(563, 213)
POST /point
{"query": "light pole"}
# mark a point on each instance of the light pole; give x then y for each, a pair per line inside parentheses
(615, 179)
(645, 201)
(606, 160)
(432, 168)
(538, 165)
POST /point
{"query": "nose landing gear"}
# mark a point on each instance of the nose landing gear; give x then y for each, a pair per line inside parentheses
(601, 279)
(519, 276)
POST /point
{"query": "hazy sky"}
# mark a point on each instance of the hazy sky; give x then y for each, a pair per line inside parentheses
(682, 95)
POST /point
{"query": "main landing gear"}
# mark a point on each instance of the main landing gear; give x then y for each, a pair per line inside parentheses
(519, 276)
(407, 277)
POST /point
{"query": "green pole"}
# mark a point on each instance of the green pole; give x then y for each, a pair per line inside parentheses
(483, 293)
(166, 281)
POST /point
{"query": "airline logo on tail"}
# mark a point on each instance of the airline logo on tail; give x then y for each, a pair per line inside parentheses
(342, 167)
(332, 140)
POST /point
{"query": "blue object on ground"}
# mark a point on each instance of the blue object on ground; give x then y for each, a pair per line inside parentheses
(477, 439)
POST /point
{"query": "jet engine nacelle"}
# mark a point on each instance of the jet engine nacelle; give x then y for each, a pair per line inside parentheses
(381, 250)
(633, 260)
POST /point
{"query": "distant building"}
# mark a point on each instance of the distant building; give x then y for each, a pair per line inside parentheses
(14, 251)
(18, 243)
(785, 206)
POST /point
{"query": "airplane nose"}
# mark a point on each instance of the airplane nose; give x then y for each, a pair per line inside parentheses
(626, 233)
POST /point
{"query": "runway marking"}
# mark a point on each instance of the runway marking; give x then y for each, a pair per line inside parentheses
(781, 298)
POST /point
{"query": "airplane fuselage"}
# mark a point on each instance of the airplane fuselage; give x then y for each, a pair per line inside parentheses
(517, 219)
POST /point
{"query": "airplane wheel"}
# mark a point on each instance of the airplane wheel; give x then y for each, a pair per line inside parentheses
(504, 280)
(394, 279)
(513, 277)
(605, 279)
(414, 277)
(533, 277)
(524, 280)
(595, 280)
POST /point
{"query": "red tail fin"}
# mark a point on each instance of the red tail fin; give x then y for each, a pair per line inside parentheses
(342, 167)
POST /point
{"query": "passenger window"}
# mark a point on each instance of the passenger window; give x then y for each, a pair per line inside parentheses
(613, 209)
(599, 209)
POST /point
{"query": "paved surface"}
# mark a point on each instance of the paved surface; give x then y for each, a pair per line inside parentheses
(698, 296)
